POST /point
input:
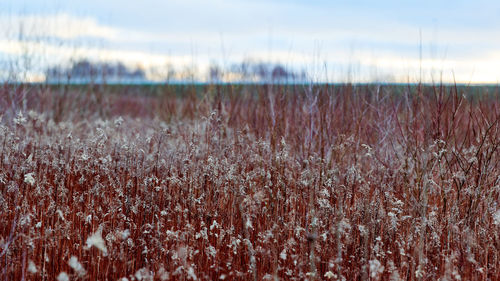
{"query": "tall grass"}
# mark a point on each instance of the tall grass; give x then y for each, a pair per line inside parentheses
(250, 182)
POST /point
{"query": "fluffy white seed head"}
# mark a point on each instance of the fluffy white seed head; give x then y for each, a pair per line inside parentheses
(496, 217)
(29, 178)
(97, 241)
(63, 276)
(76, 266)
(32, 267)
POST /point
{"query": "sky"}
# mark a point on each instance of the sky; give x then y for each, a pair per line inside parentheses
(333, 41)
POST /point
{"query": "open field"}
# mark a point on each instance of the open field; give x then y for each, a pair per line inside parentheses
(249, 182)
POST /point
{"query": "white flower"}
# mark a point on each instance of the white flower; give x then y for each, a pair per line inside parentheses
(368, 149)
(88, 219)
(85, 157)
(118, 121)
(362, 230)
(77, 266)
(143, 274)
(376, 268)
(248, 223)
(211, 251)
(29, 179)
(419, 273)
(330, 275)
(191, 273)
(163, 274)
(344, 226)
(125, 234)
(20, 119)
(283, 254)
(496, 217)
(214, 225)
(60, 213)
(268, 277)
(97, 241)
(62, 276)
(32, 267)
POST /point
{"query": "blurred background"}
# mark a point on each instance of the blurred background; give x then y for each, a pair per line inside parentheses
(250, 41)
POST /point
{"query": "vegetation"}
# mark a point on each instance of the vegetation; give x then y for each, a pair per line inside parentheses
(249, 182)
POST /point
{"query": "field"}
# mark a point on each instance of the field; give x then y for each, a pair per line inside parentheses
(249, 182)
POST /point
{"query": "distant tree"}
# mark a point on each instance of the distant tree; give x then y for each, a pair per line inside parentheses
(85, 70)
(279, 72)
(264, 72)
(215, 73)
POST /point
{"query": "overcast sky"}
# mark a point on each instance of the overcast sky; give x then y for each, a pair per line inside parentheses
(332, 40)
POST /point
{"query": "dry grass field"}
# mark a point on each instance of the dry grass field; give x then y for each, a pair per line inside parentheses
(249, 182)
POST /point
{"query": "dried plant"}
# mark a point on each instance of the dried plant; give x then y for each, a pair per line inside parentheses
(250, 182)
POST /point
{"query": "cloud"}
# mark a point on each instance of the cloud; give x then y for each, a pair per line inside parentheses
(345, 65)
(330, 43)
(61, 25)
(62, 54)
